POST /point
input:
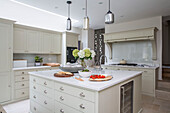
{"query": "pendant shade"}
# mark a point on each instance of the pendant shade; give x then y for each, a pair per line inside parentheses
(68, 20)
(86, 20)
(109, 17)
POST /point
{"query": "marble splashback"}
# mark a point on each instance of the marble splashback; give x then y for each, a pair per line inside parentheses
(136, 51)
(47, 58)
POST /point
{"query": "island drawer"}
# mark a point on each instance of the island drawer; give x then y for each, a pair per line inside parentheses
(20, 85)
(77, 103)
(61, 108)
(22, 93)
(21, 78)
(78, 92)
(42, 100)
(20, 72)
(36, 108)
(41, 81)
(41, 89)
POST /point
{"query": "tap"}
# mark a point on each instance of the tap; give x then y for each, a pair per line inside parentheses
(101, 60)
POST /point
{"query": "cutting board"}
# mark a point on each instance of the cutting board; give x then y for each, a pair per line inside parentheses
(63, 74)
(52, 64)
(101, 79)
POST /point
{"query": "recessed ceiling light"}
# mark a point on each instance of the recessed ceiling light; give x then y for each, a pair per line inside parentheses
(100, 3)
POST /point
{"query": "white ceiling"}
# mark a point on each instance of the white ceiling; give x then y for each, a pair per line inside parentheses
(124, 10)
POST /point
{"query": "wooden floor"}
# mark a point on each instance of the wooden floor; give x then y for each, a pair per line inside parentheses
(150, 105)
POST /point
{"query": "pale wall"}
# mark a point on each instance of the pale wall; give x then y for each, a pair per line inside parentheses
(139, 24)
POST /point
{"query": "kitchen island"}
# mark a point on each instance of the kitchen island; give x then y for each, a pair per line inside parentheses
(49, 94)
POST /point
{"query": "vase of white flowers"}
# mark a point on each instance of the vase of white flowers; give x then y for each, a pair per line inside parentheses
(85, 54)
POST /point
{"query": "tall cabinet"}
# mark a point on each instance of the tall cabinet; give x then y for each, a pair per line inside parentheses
(6, 50)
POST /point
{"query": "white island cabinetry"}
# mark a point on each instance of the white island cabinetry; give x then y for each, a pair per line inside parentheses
(61, 95)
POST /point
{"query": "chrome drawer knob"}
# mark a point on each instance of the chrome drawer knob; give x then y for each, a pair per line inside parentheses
(23, 93)
(82, 94)
(23, 78)
(61, 88)
(45, 83)
(34, 96)
(34, 80)
(61, 111)
(61, 98)
(45, 91)
(22, 72)
(34, 87)
(45, 102)
(23, 85)
(82, 106)
(35, 108)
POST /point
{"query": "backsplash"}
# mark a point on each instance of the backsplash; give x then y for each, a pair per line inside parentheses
(136, 51)
(30, 58)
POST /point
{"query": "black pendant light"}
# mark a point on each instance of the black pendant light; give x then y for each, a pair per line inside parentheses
(86, 20)
(69, 20)
(109, 17)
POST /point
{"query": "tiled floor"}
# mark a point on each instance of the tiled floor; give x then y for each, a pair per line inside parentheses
(150, 105)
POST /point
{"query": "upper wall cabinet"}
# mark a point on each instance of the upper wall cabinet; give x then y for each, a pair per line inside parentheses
(71, 39)
(27, 40)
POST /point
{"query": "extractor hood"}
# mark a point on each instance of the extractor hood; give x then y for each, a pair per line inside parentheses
(133, 35)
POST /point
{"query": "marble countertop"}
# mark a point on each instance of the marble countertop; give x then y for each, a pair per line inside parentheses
(118, 76)
(141, 67)
(31, 67)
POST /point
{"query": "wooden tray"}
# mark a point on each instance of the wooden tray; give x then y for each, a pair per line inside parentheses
(101, 79)
(63, 75)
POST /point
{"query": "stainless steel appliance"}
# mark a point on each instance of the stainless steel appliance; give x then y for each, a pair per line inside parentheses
(70, 57)
(126, 98)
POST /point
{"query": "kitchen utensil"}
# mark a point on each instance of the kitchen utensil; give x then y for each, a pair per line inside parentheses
(79, 79)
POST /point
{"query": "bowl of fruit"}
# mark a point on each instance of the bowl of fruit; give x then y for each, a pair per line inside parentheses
(85, 73)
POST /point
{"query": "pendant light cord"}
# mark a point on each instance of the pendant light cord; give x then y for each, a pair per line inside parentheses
(109, 5)
(68, 10)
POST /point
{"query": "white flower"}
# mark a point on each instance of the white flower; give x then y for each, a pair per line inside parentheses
(81, 54)
(92, 53)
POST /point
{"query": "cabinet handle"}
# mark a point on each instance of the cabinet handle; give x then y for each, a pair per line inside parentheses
(35, 108)
(34, 80)
(123, 99)
(34, 96)
(82, 107)
(145, 71)
(22, 72)
(61, 111)
(23, 85)
(61, 98)
(34, 87)
(23, 93)
(45, 91)
(45, 102)
(23, 78)
(61, 88)
(45, 83)
(82, 94)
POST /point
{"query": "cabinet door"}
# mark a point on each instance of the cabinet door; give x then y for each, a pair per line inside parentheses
(32, 41)
(4, 87)
(47, 39)
(20, 42)
(56, 44)
(5, 48)
(72, 41)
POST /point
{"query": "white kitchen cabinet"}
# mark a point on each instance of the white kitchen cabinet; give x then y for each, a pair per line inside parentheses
(20, 40)
(71, 40)
(56, 44)
(6, 50)
(32, 41)
(5, 88)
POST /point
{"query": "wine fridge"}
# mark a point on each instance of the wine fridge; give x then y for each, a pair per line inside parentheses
(126, 98)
